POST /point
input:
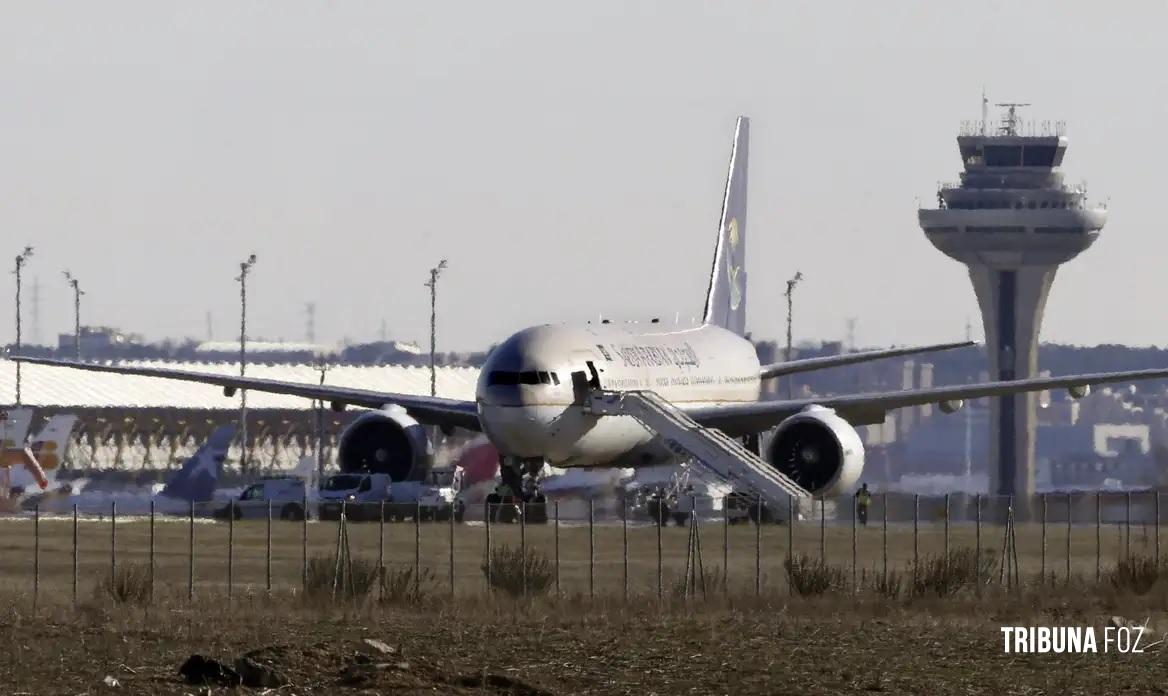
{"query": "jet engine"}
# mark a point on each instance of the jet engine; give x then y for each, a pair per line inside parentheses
(386, 441)
(818, 450)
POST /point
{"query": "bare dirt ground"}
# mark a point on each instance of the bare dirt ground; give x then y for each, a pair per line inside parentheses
(820, 646)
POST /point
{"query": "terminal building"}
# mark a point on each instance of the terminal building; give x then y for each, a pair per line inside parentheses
(1012, 220)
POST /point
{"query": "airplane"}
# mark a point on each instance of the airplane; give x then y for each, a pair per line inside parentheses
(195, 482)
(536, 394)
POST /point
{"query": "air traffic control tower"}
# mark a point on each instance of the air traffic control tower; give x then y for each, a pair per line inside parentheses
(1012, 220)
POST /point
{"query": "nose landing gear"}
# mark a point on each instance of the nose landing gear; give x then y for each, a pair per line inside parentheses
(518, 495)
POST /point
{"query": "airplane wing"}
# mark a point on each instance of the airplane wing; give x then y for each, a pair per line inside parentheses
(869, 409)
(430, 410)
(791, 367)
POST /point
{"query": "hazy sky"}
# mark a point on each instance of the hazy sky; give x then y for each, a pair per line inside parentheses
(567, 158)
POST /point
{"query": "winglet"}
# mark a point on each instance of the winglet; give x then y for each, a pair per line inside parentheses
(726, 298)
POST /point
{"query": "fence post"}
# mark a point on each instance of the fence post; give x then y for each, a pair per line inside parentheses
(916, 530)
(855, 587)
(660, 522)
(625, 547)
(418, 548)
(1042, 572)
(822, 530)
(790, 541)
(490, 564)
(152, 517)
(74, 553)
(556, 535)
(1098, 534)
(451, 545)
(191, 552)
(977, 541)
(268, 552)
(1156, 533)
(591, 549)
(725, 546)
(231, 549)
(1067, 582)
(523, 545)
(757, 550)
(113, 540)
(1127, 525)
(36, 556)
(304, 545)
(884, 540)
(946, 528)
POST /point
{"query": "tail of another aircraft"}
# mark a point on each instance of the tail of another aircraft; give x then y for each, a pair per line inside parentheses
(197, 478)
(726, 301)
(51, 443)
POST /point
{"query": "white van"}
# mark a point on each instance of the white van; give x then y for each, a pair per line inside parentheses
(287, 495)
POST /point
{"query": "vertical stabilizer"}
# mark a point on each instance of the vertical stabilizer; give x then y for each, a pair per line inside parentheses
(726, 301)
(52, 443)
(197, 478)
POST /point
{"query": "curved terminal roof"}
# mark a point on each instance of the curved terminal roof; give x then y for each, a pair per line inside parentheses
(55, 386)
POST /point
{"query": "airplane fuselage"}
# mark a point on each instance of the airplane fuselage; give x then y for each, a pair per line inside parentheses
(528, 395)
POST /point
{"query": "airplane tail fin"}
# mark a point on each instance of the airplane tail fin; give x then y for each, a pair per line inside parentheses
(52, 442)
(196, 480)
(726, 301)
(14, 426)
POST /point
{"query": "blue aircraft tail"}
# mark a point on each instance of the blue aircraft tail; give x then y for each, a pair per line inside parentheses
(198, 477)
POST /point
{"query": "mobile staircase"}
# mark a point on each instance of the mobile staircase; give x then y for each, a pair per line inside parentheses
(710, 447)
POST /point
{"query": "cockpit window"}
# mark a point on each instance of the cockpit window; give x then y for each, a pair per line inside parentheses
(507, 378)
(502, 378)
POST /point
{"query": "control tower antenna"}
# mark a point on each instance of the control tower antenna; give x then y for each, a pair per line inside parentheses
(1010, 120)
(851, 324)
(985, 112)
(310, 327)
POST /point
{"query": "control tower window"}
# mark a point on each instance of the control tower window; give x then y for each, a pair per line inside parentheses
(1039, 155)
(1044, 204)
(1003, 155)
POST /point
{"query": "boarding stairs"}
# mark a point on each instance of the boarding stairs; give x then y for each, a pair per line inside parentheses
(713, 449)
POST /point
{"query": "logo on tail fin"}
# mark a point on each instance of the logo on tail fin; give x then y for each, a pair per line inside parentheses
(733, 271)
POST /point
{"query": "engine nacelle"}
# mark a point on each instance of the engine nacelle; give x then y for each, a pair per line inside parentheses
(1078, 391)
(950, 405)
(819, 451)
(386, 441)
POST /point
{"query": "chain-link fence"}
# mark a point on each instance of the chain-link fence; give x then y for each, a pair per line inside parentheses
(575, 548)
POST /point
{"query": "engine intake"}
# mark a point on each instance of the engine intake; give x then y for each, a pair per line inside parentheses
(819, 451)
(386, 441)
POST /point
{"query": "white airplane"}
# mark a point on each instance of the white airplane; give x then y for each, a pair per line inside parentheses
(535, 395)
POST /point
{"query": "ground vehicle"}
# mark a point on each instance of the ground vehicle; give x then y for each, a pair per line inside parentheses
(360, 494)
(286, 494)
(435, 498)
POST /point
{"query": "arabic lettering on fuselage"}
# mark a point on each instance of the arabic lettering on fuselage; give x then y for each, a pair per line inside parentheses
(634, 355)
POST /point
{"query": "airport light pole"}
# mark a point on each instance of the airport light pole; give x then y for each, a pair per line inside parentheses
(21, 259)
(323, 367)
(790, 310)
(77, 293)
(244, 269)
(433, 285)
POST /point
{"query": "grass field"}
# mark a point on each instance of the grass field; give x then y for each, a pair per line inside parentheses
(102, 545)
